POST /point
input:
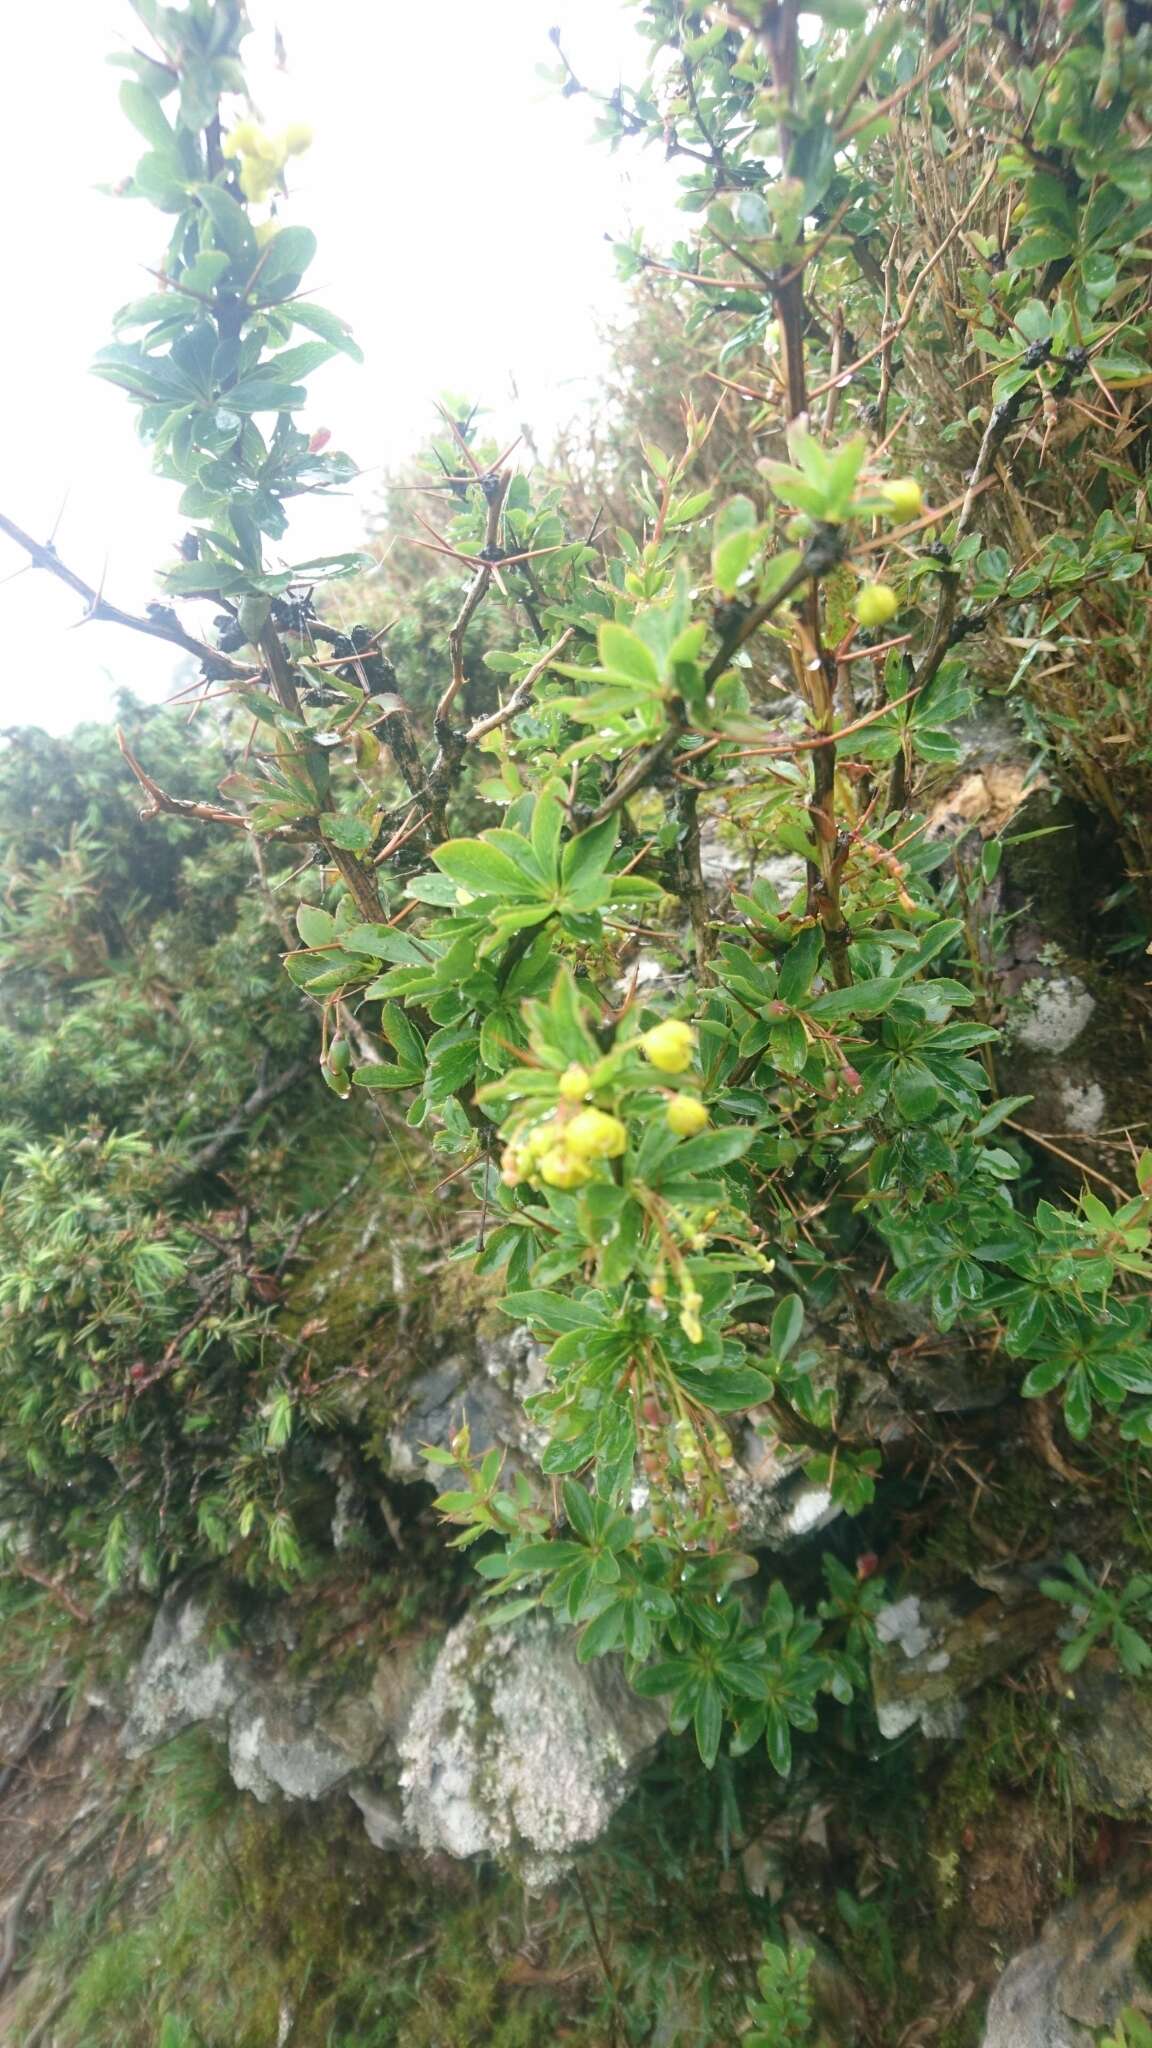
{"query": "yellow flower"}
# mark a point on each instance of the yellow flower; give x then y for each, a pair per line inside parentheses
(686, 1115)
(543, 1138)
(875, 604)
(560, 1169)
(904, 495)
(256, 178)
(245, 139)
(297, 138)
(574, 1083)
(593, 1134)
(669, 1046)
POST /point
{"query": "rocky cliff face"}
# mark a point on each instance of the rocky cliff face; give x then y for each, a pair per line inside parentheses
(493, 1743)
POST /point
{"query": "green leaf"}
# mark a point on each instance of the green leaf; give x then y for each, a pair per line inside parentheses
(145, 113)
(316, 927)
(586, 857)
(580, 1511)
(712, 1148)
(726, 1388)
(320, 321)
(402, 1036)
(483, 869)
(708, 1721)
(799, 965)
(555, 1311)
(625, 654)
(787, 1324)
(231, 227)
(547, 826)
(863, 999)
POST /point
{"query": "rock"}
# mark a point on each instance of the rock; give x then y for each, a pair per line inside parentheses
(1081, 1973)
(383, 1815)
(1106, 1734)
(936, 1648)
(281, 1740)
(726, 862)
(501, 1745)
(296, 1736)
(776, 1504)
(484, 1392)
(514, 1360)
(518, 1752)
(185, 1676)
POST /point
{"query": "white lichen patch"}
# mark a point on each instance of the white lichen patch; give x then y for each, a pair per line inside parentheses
(1051, 1013)
(903, 1623)
(1084, 1105)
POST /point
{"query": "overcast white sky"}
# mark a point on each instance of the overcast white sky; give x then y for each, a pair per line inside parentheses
(461, 210)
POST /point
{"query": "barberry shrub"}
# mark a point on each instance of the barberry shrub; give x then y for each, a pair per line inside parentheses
(685, 1123)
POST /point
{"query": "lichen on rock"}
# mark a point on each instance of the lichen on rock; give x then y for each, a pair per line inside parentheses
(519, 1752)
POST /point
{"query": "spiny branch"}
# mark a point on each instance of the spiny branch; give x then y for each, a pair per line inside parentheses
(164, 626)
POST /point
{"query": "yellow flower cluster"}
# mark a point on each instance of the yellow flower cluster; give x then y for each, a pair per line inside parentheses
(563, 1150)
(263, 157)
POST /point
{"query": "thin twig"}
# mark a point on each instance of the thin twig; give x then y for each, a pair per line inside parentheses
(481, 727)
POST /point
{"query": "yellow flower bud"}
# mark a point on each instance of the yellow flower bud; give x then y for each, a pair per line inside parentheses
(297, 138)
(256, 179)
(669, 1046)
(686, 1115)
(515, 1165)
(574, 1083)
(690, 1304)
(875, 604)
(244, 140)
(543, 1138)
(559, 1169)
(904, 495)
(593, 1134)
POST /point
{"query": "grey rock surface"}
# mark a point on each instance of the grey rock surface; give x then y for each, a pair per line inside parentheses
(497, 1744)
(282, 1741)
(186, 1676)
(1079, 1976)
(517, 1752)
(296, 1736)
(935, 1649)
(777, 1506)
(1106, 1732)
(484, 1392)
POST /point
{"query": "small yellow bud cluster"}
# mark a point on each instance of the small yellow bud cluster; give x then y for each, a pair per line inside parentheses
(263, 157)
(687, 1448)
(563, 1151)
(691, 1302)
